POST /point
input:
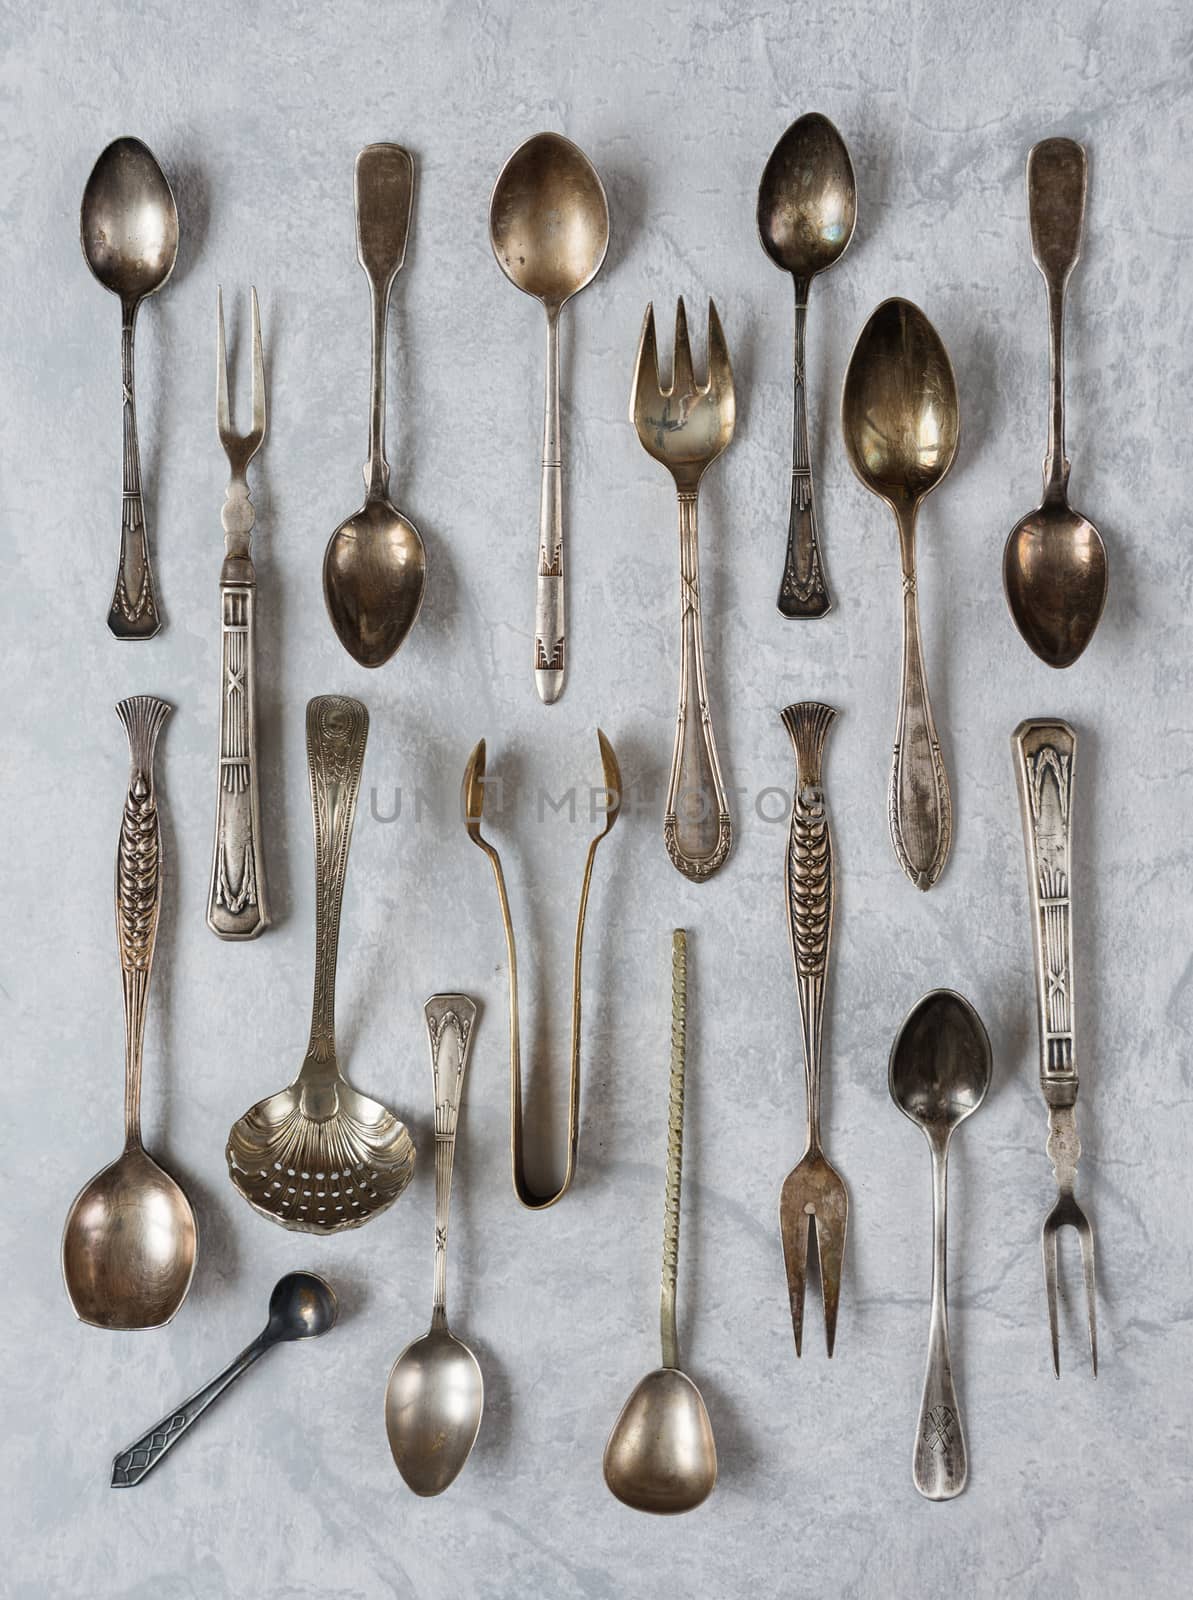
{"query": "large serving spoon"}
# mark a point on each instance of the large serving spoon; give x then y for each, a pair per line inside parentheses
(900, 416)
(549, 228)
(128, 227)
(436, 1394)
(1054, 563)
(807, 209)
(938, 1075)
(302, 1306)
(661, 1455)
(128, 1248)
(375, 566)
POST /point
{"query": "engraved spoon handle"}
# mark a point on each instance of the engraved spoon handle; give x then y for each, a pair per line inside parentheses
(450, 1020)
(133, 613)
(384, 191)
(549, 630)
(920, 808)
(1045, 755)
(138, 890)
(337, 731)
(939, 1463)
(803, 591)
(697, 829)
(1056, 188)
(138, 1460)
(679, 1025)
(810, 888)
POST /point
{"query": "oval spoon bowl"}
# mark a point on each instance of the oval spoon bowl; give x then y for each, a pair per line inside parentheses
(807, 198)
(128, 223)
(374, 578)
(434, 1401)
(549, 219)
(1055, 578)
(661, 1456)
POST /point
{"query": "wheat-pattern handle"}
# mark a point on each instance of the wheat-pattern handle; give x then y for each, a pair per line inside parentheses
(679, 1027)
(138, 889)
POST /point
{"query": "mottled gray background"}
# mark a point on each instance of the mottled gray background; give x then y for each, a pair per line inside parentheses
(287, 1489)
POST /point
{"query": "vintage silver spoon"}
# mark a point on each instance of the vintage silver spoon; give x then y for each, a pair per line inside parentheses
(128, 228)
(436, 1394)
(375, 566)
(302, 1306)
(807, 209)
(938, 1075)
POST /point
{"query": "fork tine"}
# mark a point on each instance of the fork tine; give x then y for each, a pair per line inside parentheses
(830, 1247)
(720, 370)
(1067, 1213)
(1048, 1242)
(682, 379)
(222, 416)
(258, 375)
(794, 1225)
(1086, 1235)
(646, 390)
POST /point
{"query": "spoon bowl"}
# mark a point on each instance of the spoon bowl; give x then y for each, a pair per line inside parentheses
(549, 219)
(433, 1405)
(940, 1063)
(129, 1246)
(807, 198)
(374, 576)
(128, 223)
(301, 1306)
(661, 1455)
(1055, 576)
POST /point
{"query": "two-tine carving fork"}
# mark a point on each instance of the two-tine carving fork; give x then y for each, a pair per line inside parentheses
(236, 905)
(1045, 754)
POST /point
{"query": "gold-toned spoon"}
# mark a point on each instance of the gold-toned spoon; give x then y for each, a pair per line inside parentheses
(807, 209)
(661, 1455)
(1054, 563)
(549, 228)
(128, 1248)
(375, 566)
(900, 416)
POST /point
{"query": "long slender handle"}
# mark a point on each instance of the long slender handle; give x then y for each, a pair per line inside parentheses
(133, 613)
(548, 610)
(450, 1021)
(1045, 751)
(138, 889)
(803, 591)
(237, 905)
(919, 806)
(1056, 189)
(337, 731)
(679, 1028)
(810, 888)
(138, 1460)
(939, 1463)
(697, 829)
(384, 191)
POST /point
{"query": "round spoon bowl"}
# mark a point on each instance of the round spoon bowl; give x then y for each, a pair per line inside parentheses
(661, 1456)
(433, 1405)
(940, 1063)
(549, 219)
(129, 221)
(1054, 574)
(302, 1306)
(899, 408)
(374, 575)
(807, 198)
(128, 1249)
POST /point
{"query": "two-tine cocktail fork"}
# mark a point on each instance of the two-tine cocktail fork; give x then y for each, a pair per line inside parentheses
(1045, 754)
(686, 426)
(237, 907)
(813, 1192)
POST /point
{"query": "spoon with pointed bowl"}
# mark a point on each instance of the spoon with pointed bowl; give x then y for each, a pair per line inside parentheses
(1054, 563)
(375, 566)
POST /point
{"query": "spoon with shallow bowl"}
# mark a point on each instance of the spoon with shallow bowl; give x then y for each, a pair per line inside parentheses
(375, 567)
(939, 1073)
(900, 417)
(807, 208)
(1054, 563)
(128, 1247)
(436, 1394)
(128, 228)
(549, 228)
(661, 1455)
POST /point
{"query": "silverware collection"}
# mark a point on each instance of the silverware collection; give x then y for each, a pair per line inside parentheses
(319, 1157)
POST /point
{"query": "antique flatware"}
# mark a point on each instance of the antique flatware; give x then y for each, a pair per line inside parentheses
(301, 1306)
(436, 1394)
(128, 227)
(900, 417)
(128, 1248)
(661, 1455)
(473, 803)
(1045, 751)
(807, 209)
(1054, 563)
(237, 904)
(685, 427)
(375, 566)
(549, 229)
(939, 1073)
(813, 1192)
(319, 1157)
